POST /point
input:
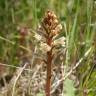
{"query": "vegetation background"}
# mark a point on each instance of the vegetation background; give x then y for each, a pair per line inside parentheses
(78, 18)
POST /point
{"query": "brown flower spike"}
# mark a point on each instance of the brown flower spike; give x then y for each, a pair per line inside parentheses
(49, 28)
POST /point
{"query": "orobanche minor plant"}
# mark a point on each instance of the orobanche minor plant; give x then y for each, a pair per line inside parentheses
(49, 29)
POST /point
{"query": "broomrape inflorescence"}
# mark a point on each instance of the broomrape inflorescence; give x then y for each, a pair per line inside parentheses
(48, 30)
(50, 26)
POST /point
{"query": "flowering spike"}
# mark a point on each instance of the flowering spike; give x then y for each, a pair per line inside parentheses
(50, 25)
(49, 28)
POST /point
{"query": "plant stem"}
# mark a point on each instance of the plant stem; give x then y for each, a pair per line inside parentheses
(49, 63)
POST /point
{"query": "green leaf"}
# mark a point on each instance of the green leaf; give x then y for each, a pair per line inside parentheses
(69, 89)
